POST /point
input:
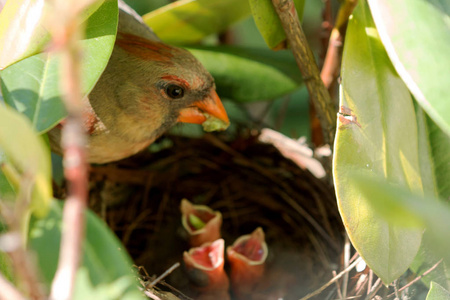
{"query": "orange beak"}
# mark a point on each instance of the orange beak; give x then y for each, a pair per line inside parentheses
(211, 105)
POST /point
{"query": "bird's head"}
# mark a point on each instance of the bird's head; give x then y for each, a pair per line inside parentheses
(154, 86)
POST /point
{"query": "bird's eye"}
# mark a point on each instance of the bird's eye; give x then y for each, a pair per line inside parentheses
(174, 91)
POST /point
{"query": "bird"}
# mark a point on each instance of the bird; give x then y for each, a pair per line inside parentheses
(146, 88)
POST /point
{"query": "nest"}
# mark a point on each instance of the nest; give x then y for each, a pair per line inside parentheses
(251, 183)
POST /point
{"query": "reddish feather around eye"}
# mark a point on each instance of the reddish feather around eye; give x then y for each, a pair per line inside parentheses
(177, 79)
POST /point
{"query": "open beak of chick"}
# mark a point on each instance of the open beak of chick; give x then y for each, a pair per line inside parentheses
(209, 112)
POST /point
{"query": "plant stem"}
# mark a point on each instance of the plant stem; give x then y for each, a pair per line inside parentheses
(332, 62)
(66, 37)
(305, 60)
(334, 279)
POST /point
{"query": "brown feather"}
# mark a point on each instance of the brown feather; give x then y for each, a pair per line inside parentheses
(144, 48)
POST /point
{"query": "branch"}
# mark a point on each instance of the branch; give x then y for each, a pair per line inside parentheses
(305, 60)
(66, 35)
(415, 280)
(338, 276)
(332, 63)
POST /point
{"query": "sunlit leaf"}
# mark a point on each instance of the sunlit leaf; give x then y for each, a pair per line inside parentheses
(437, 292)
(26, 154)
(400, 207)
(416, 35)
(104, 257)
(377, 135)
(23, 28)
(189, 21)
(32, 86)
(246, 74)
(440, 145)
(268, 22)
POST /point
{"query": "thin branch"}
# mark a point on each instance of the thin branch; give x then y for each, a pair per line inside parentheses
(415, 280)
(332, 63)
(305, 60)
(338, 286)
(346, 263)
(322, 288)
(369, 285)
(66, 35)
(378, 284)
(162, 276)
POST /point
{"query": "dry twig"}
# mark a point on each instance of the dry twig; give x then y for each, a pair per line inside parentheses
(414, 280)
(322, 288)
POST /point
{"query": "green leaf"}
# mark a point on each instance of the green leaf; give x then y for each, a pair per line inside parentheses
(189, 21)
(434, 145)
(104, 258)
(26, 155)
(416, 35)
(32, 86)
(268, 22)
(6, 189)
(380, 138)
(23, 28)
(84, 290)
(440, 145)
(437, 292)
(400, 207)
(6, 266)
(249, 74)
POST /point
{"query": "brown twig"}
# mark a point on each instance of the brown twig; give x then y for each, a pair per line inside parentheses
(66, 35)
(346, 263)
(322, 288)
(414, 280)
(305, 60)
(377, 285)
(338, 287)
(162, 276)
(332, 63)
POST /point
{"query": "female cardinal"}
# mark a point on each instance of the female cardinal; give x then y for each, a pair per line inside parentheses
(145, 89)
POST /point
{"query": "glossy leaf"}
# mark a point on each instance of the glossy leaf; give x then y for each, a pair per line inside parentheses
(440, 145)
(246, 74)
(26, 155)
(189, 21)
(437, 292)
(104, 258)
(378, 137)
(434, 144)
(400, 207)
(416, 35)
(23, 28)
(32, 86)
(268, 22)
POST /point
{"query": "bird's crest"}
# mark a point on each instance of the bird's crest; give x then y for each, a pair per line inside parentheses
(144, 48)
